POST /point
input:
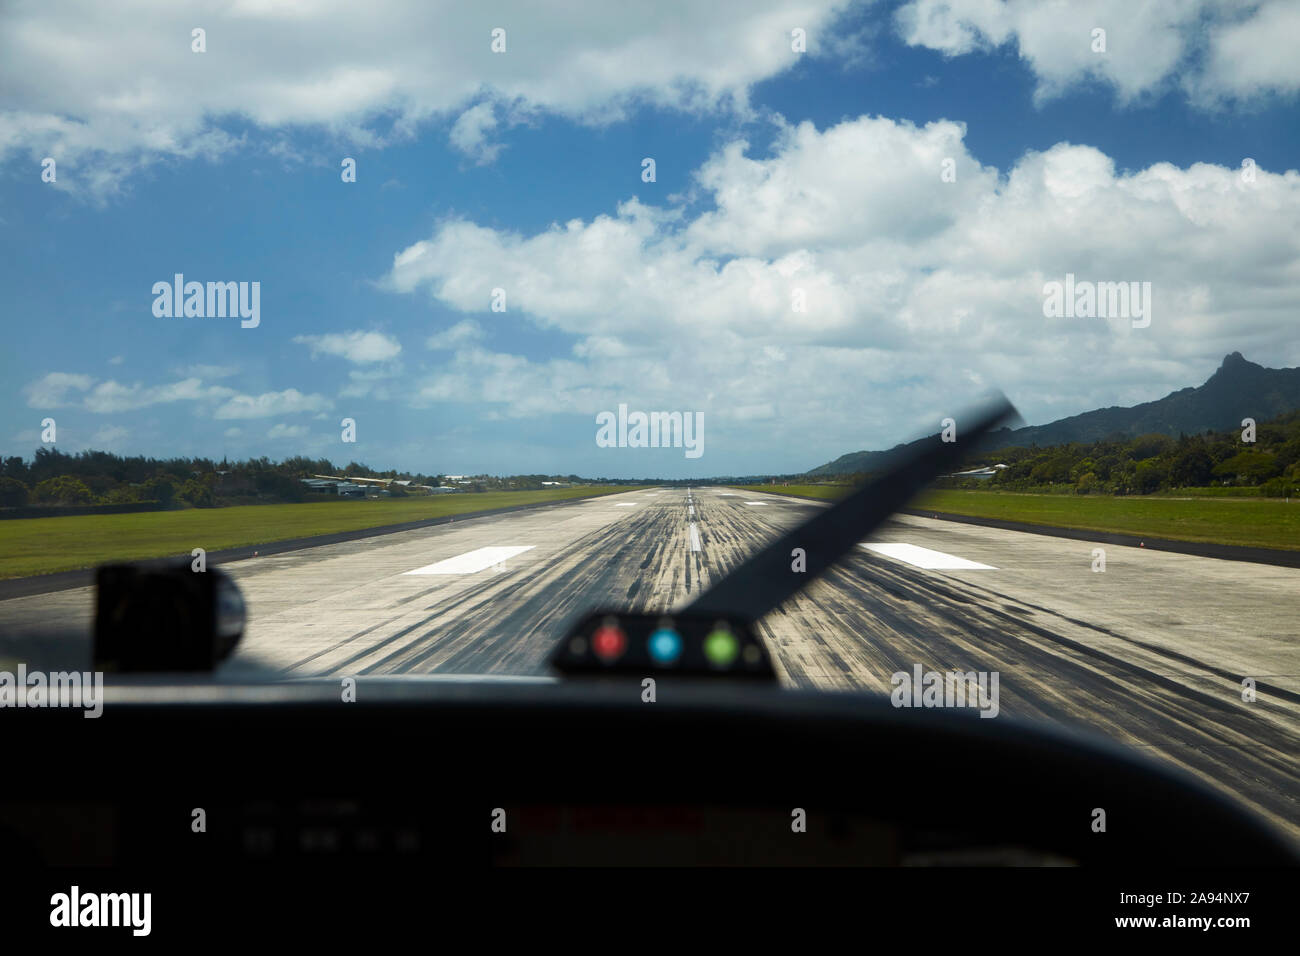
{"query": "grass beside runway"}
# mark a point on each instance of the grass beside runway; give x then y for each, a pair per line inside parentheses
(31, 546)
(829, 492)
(1249, 522)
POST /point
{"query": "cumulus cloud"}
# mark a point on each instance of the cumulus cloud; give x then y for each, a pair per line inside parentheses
(371, 382)
(359, 347)
(111, 396)
(919, 292)
(107, 93)
(526, 388)
(471, 131)
(459, 335)
(287, 431)
(64, 389)
(54, 389)
(1257, 54)
(1214, 50)
(271, 403)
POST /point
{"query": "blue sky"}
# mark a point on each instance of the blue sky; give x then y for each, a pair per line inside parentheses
(671, 295)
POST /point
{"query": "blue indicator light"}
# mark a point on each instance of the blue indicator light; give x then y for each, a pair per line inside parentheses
(665, 645)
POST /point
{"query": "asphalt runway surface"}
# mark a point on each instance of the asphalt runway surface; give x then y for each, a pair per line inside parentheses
(1151, 652)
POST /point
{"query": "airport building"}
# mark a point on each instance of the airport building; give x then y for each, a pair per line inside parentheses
(344, 489)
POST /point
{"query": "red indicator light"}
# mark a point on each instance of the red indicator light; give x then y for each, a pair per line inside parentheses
(608, 642)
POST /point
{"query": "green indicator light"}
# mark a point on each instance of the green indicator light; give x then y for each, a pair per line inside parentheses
(720, 647)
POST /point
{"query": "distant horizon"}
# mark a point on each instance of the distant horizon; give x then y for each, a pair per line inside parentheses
(640, 479)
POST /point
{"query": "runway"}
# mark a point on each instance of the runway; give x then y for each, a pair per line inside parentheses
(1151, 652)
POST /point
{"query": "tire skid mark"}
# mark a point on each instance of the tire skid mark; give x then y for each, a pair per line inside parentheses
(469, 596)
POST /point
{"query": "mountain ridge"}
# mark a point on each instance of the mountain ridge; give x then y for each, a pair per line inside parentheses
(1237, 389)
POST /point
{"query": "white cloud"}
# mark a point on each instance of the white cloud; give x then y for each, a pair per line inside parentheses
(528, 389)
(870, 177)
(111, 396)
(107, 93)
(1257, 54)
(371, 382)
(271, 403)
(1215, 50)
(920, 293)
(116, 360)
(470, 133)
(62, 389)
(52, 390)
(288, 431)
(359, 347)
(461, 334)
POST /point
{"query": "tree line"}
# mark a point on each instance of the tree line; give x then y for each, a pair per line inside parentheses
(54, 477)
(1153, 463)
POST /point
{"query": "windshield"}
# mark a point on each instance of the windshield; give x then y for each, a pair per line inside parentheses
(435, 331)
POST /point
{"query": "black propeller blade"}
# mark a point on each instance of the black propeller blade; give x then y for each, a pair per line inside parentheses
(766, 580)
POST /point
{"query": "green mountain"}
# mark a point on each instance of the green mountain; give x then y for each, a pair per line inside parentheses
(1238, 389)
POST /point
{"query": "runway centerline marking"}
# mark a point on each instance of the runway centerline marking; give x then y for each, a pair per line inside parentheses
(695, 537)
(925, 558)
(471, 562)
(761, 504)
(625, 504)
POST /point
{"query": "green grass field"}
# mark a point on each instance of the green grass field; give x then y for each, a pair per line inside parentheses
(44, 545)
(1253, 522)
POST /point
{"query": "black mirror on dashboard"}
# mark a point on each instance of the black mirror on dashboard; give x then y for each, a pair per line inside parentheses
(165, 616)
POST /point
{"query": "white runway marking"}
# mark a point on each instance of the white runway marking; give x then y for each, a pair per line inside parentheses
(925, 558)
(727, 494)
(625, 504)
(471, 562)
(690, 511)
(761, 504)
(695, 537)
